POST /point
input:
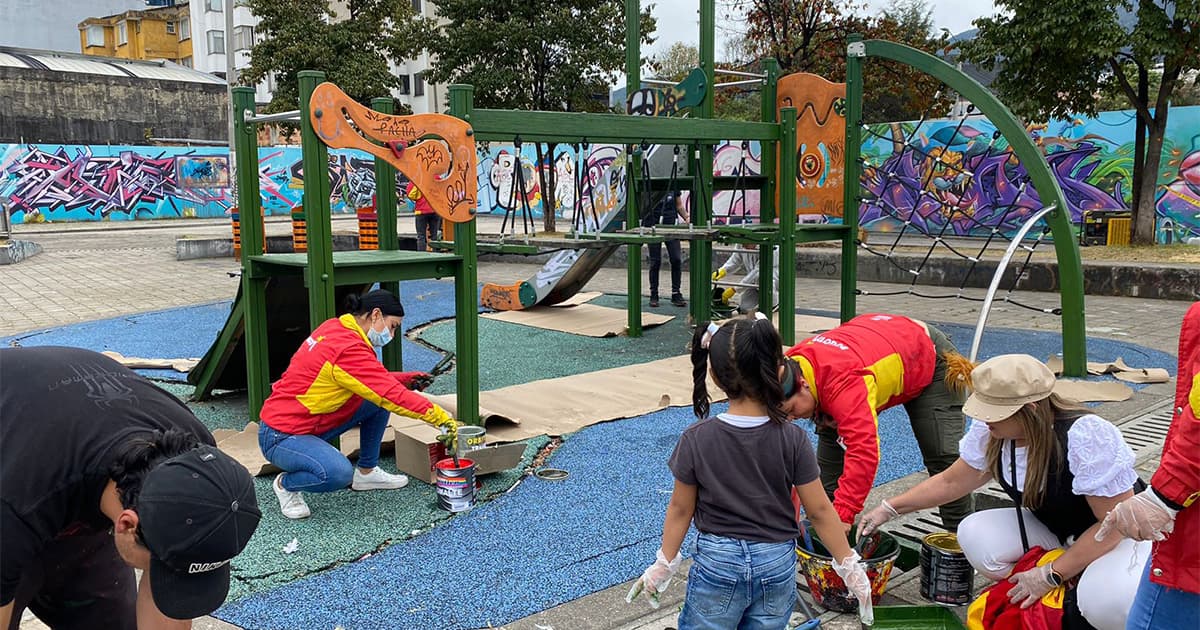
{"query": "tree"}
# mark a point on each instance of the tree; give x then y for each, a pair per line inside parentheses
(352, 52)
(1055, 58)
(676, 62)
(558, 55)
(811, 36)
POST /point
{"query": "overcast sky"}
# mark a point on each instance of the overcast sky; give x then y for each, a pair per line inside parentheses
(678, 20)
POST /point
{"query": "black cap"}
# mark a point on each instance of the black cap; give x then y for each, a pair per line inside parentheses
(196, 511)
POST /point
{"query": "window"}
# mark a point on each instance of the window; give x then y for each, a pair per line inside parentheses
(243, 37)
(170, 27)
(213, 5)
(186, 62)
(122, 34)
(417, 6)
(95, 35)
(405, 86)
(418, 85)
(185, 29)
(216, 43)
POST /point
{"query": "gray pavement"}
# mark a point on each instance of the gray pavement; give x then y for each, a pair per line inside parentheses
(95, 271)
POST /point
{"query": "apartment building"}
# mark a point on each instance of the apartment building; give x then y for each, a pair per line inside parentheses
(152, 34)
(414, 91)
(211, 43)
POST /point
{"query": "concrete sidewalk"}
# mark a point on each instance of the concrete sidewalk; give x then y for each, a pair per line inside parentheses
(87, 274)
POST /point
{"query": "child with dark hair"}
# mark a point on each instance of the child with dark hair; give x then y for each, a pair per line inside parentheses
(734, 475)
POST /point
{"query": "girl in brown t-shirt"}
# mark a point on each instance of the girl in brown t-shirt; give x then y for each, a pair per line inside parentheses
(734, 475)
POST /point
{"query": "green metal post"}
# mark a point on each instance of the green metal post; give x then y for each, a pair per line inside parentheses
(633, 50)
(633, 262)
(853, 171)
(700, 256)
(385, 209)
(787, 225)
(315, 159)
(254, 289)
(1070, 268)
(466, 290)
(766, 201)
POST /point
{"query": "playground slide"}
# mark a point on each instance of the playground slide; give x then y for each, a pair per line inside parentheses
(568, 271)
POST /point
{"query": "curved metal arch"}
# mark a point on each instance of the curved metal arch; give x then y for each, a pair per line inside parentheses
(1070, 268)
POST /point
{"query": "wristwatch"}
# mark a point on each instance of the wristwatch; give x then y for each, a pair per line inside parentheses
(1054, 577)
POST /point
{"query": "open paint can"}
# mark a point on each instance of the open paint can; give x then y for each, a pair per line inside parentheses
(946, 576)
(455, 484)
(470, 438)
(827, 588)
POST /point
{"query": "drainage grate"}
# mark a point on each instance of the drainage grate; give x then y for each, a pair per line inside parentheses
(1145, 432)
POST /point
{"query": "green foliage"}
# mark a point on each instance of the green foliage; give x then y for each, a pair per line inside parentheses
(352, 48)
(1113, 97)
(676, 62)
(536, 54)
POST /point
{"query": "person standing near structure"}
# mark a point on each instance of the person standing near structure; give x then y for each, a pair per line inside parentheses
(429, 224)
(664, 213)
(846, 376)
(104, 473)
(746, 261)
(1167, 512)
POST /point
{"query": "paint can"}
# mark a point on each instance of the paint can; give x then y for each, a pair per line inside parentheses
(946, 576)
(470, 438)
(827, 588)
(455, 484)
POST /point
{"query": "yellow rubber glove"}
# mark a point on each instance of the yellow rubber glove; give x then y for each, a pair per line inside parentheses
(718, 274)
(727, 295)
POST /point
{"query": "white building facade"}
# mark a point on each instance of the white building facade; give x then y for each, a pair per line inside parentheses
(210, 43)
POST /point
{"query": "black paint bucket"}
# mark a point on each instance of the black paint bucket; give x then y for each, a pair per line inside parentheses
(946, 576)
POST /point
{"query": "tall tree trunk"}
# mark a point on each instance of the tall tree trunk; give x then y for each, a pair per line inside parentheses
(546, 183)
(1139, 130)
(1144, 217)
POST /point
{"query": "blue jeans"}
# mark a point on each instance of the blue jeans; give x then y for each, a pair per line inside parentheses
(312, 464)
(1158, 607)
(739, 584)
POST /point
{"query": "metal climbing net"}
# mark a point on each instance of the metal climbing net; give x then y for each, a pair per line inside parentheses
(923, 183)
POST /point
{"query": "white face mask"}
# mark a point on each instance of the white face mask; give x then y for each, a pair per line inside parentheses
(380, 338)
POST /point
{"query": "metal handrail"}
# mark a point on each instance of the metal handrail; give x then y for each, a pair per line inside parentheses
(292, 116)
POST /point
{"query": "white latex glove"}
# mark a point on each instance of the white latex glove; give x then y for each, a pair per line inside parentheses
(1143, 516)
(872, 520)
(854, 573)
(1031, 585)
(656, 578)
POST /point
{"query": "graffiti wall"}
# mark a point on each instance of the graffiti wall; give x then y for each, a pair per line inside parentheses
(959, 176)
(952, 174)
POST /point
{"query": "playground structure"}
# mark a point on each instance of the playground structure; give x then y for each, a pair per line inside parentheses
(437, 153)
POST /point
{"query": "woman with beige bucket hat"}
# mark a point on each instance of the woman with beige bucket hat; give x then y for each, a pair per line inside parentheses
(1065, 466)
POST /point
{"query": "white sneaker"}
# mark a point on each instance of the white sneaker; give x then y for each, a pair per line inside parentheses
(377, 479)
(290, 503)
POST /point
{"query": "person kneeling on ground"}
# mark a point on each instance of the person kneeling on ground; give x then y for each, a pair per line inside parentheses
(334, 383)
(104, 473)
(846, 376)
(1065, 466)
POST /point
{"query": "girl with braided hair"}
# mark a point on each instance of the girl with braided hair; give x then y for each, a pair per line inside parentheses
(734, 476)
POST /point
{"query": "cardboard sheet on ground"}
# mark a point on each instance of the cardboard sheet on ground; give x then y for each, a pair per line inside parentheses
(564, 405)
(581, 319)
(138, 363)
(243, 446)
(1118, 369)
(577, 299)
(1093, 391)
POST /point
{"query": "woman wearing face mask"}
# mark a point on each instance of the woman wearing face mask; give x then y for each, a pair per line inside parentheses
(334, 383)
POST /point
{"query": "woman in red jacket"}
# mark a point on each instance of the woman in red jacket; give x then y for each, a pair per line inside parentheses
(1169, 595)
(334, 383)
(844, 377)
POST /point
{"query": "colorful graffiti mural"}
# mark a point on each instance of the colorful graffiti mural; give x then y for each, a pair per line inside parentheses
(953, 174)
(958, 177)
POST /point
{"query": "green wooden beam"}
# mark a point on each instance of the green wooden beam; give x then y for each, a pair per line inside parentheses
(254, 290)
(787, 228)
(504, 125)
(853, 170)
(315, 159)
(466, 289)
(768, 212)
(1070, 267)
(386, 209)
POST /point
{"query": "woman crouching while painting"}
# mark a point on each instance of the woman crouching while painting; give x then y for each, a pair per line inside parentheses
(1065, 466)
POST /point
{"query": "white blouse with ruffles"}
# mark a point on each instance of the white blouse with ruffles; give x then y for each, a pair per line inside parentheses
(1097, 456)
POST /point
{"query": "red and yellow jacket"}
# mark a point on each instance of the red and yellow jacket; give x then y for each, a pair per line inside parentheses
(1176, 561)
(993, 610)
(854, 371)
(329, 377)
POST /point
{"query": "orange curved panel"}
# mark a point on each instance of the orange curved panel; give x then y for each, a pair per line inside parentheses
(514, 297)
(821, 136)
(434, 151)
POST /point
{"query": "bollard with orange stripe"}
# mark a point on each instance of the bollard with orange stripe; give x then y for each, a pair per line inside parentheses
(368, 228)
(299, 230)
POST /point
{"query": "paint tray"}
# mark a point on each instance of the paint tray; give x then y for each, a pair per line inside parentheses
(916, 618)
